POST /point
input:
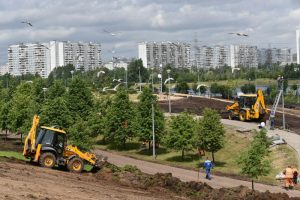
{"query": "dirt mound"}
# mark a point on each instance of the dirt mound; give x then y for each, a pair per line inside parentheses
(132, 177)
(196, 106)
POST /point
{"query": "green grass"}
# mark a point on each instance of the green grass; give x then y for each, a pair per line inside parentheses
(12, 154)
(225, 159)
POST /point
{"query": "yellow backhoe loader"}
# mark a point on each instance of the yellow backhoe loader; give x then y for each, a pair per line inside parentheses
(248, 107)
(49, 148)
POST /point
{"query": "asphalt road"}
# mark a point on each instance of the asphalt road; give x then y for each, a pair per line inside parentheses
(218, 181)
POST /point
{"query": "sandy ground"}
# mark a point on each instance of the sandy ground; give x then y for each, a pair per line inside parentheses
(19, 181)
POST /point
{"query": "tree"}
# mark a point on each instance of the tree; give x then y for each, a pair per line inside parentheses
(182, 87)
(248, 88)
(144, 117)
(55, 112)
(80, 135)
(134, 69)
(120, 119)
(253, 161)
(181, 134)
(57, 89)
(210, 133)
(79, 99)
(22, 108)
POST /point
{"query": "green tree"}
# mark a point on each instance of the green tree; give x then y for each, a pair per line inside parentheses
(134, 69)
(22, 108)
(80, 135)
(57, 89)
(121, 118)
(55, 112)
(253, 162)
(182, 87)
(210, 133)
(248, 88)
(144, 117)
(181, 133)
(79, 99)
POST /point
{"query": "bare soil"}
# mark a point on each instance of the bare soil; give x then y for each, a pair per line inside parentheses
(20, 180)
(196, 106)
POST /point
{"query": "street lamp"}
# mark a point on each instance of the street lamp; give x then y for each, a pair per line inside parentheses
(44, 90)
(72, 72)
(153, 132)
(168, 80)
(140, 78)
(160, 68)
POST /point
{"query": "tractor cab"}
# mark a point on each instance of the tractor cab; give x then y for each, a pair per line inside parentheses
(52, 139)
(247, 101)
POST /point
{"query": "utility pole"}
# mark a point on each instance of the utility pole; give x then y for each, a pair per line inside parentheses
(140, 78)
(152, 81)
(283, 115)
(153, 132)
(168, 71)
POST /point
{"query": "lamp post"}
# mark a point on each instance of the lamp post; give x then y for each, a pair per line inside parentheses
(44, 90)
(152, 80)
(168, 71)
(153, 132)
(72, 72)
(140, 78)
(160, 68)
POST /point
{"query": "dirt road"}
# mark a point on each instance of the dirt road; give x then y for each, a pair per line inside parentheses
(189, 175)
(25, 182)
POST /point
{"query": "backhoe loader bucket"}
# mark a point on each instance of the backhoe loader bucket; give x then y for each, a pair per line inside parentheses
(100, 162)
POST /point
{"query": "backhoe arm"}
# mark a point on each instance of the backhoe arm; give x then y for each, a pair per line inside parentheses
(29, 145)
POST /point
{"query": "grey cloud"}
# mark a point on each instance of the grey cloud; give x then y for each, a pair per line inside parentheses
(142, 20)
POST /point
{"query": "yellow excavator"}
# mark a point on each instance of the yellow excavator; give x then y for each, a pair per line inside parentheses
(248, 107)
(48, 147)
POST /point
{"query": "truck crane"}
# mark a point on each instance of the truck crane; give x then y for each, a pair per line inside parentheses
(248, 107)
(49, 148)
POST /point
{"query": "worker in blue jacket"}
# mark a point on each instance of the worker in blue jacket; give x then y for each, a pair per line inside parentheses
(207, 166)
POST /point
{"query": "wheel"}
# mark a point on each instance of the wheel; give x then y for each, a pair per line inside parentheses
(75, 165)
(47, 160)
(242, 116)
(230, 116)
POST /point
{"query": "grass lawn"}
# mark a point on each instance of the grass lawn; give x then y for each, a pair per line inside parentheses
(225, 159)
(19, 156)
(13, 154)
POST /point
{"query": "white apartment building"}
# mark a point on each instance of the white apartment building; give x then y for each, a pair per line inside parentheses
(42, 58)
(3, 69)
(298, 45)
(243, 55)
(82, 55)
(280, 56)
(154, 54)
(212, 57)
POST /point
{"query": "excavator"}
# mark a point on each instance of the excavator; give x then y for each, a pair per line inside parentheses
(248, 107)
(48, 147)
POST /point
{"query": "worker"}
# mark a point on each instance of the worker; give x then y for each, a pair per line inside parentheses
(207, 166)
(279, 82)
(295, 175)
(288, 172)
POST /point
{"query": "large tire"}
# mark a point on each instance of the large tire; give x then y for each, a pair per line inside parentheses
(230, 115)
(242, 116)
(75, 165)
(47, 160)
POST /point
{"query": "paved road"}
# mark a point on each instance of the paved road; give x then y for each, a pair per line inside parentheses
(189, 175)
(291, 138)
(217, 182)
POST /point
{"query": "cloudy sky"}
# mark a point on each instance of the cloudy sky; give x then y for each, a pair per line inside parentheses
(268, 22)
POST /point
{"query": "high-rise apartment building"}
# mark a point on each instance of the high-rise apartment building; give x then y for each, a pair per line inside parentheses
(42, 58)
(298, 45)
(212, 57)
(82, 55)
(3, 69)
(243, 55)
(280, 56)
(154, 54)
